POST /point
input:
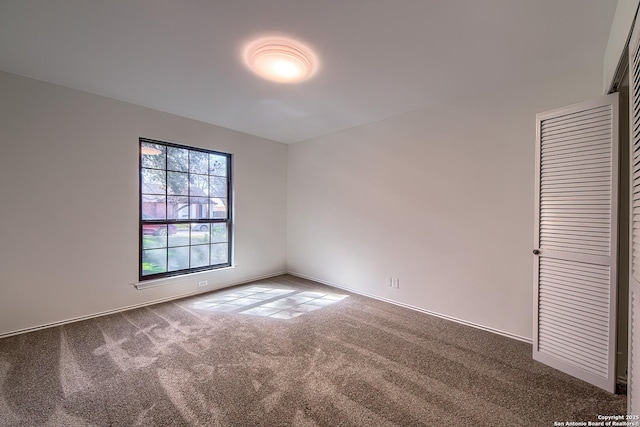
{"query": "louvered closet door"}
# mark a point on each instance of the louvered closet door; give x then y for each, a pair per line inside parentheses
(633, 373)
(576, 240)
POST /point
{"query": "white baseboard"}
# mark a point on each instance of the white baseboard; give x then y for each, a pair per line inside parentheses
(131, 307)
(422, 310)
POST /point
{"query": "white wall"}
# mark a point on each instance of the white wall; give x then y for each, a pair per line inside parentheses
(618, 36)
(69, 202)
(441, 198)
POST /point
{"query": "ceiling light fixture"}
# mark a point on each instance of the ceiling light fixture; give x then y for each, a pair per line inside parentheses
(280, 59)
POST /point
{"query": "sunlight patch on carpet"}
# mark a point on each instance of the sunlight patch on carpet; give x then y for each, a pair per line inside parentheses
(264, 301)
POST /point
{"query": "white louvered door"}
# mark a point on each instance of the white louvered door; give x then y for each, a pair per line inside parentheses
(576, 240)
(633, 373)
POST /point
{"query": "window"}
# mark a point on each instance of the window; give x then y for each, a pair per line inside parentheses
(185, 209)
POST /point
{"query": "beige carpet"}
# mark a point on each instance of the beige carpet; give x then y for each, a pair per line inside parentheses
(283, 352)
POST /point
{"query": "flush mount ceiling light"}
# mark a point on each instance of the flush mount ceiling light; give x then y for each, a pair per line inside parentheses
(280, 59)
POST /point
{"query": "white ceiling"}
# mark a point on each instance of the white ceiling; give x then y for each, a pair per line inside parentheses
(379, 58)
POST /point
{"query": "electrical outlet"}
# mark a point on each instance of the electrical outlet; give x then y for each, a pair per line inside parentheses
(390, 282)
(396, 283)
(203, 283)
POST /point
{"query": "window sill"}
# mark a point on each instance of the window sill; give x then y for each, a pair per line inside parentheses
(176, 279)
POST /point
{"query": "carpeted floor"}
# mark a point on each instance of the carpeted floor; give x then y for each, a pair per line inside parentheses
(283, 352)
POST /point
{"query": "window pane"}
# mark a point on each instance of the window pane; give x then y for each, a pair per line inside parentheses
(198, 162)
(153, 155)
(198, 185)
(219, 253)
(154, 261)
(219, 233)
(154, 207)
(154, 229)
(218, 207)
(218, 186)
(178, 258)
(199, 233)
(177, 183)
(199, 207)
(177, 159)
(151, 240)
(153, 181)
(217, 165)
(199, 255)
(199, 227)
(180, 235)
(177, 207)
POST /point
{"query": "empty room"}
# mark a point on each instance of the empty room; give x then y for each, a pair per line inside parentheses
(319, 213)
